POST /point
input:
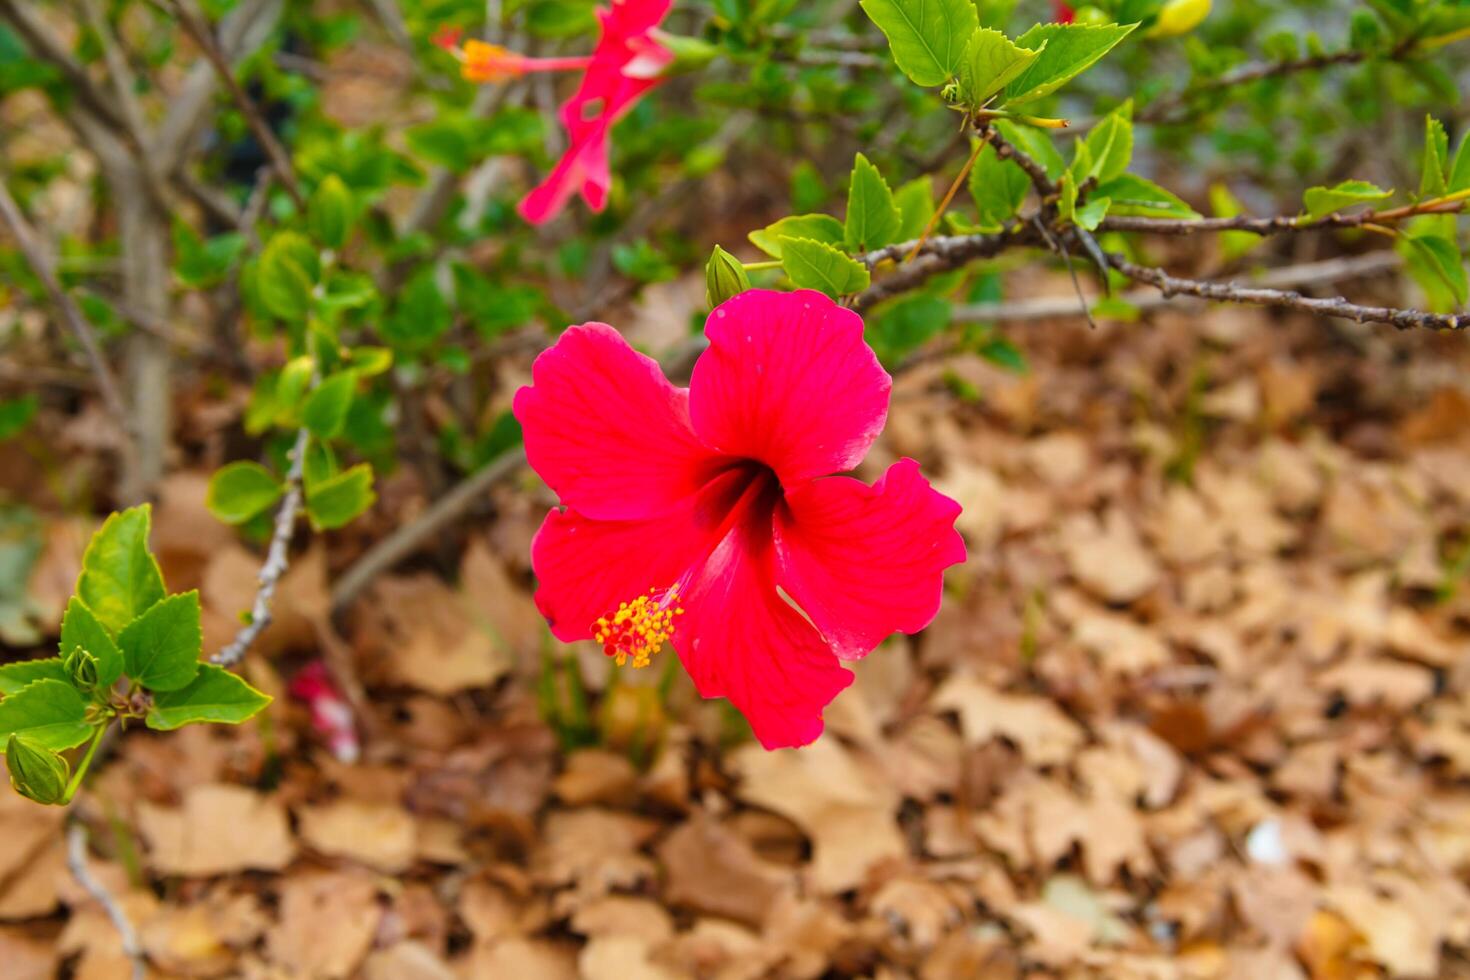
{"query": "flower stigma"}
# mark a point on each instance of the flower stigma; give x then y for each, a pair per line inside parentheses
(639, 629)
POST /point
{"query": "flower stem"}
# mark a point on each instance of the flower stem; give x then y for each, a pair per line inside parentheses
(84, 765)
(948, 196)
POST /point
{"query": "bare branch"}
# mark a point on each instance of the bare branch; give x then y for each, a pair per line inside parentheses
(240, 31)
(439, 515)
(936, 255)
(203, 36)
(1279, 224)
(840, 59)
(1147, 299)
(1336, 306)
(76, 321)
(76, 861)
(24, 16)
(1173, 109)
(277, 560)
(1044, 185)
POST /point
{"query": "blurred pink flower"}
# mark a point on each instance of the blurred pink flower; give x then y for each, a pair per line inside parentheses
(331, 716)
(628, 61)
(706, 516)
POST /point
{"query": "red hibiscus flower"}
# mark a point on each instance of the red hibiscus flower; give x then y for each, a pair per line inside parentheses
(707, 517)
(1062, 12)
(628, 61)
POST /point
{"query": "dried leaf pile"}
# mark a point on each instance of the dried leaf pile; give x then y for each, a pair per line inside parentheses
(1198, 706)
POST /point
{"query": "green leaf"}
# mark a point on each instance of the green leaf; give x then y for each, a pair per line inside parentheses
(326, 407)
(1460, 169)
(336, 501)
(897, 329)
(1064, 52)
(1003, 353)
(1110, 144)
(915, 201)
(998, 186)
(421, 314)
(17, 675)
(1091, 214)
(120, 578)
(161, 647)
(284, 283)
(1132, 194)
(81, 629)
(1325, 200)
(1442, 258)
(873, 220)
(991, 62)
(16, 414)
(928, 37)
(238, 491)
(817, 265)
(1436, 157)
(817, 227)
(214, 695)
(329, 212)
(50, 713)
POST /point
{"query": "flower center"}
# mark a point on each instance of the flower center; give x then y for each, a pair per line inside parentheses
(637, 630)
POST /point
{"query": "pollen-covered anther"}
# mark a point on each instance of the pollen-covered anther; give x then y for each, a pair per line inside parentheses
(482, 62)
(637, 630)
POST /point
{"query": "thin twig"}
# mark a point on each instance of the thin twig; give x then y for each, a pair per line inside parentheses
(76, 860)
(277, 560)
(937, 255)
(25, 237)
(203, 36)
(1173, 109)
(1282, 224)
(1336, 306)
(1148, 299)
(840, 59)
(441, 513)
(1045, 186)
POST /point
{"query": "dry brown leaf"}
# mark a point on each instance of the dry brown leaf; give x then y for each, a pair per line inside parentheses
(219, 829)
(521, 959)
(712, 870)
(406, 961)
(380, 835)
(1108, 558)
(26, 958)
(327, 924)
(1036, 726)
(434, 640)
(848, 812)
(596, 776)
(620, 958)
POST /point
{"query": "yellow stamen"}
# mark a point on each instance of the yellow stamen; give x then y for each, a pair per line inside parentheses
(637, 630)
(489, 63)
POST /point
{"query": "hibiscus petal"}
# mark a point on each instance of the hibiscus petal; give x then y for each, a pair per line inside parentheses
(788, 380)
(865, 561)
(585, 567)
(739, 639)
(607, 431)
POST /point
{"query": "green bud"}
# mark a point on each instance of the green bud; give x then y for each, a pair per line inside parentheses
(329, 212)
(690, 53)
(36, 773)
(82, 668)
(724, 277)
